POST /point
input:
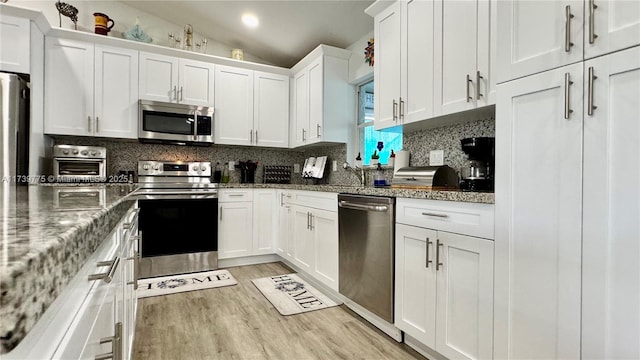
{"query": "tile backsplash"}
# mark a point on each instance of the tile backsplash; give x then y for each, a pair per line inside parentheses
(125, 154)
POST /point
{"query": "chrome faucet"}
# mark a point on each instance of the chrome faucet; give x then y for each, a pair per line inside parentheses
(359, 171)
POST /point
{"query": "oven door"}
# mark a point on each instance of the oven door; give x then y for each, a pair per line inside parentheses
(79, 170)
(179, 233)
(175, 122)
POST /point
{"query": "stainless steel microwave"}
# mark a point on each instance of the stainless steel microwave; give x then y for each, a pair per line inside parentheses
(175, 123)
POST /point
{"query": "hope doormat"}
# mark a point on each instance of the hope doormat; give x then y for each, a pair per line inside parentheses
(184, 282)
(291, 295)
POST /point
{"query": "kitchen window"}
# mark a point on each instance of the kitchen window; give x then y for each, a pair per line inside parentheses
(368, 138)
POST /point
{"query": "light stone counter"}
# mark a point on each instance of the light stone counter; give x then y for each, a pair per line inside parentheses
(48, 232)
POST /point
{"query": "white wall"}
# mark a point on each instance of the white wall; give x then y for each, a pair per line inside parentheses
(124, 17)
(359, 70)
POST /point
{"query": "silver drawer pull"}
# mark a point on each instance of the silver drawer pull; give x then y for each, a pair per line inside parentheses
(106, 276)
(435, 215)
(236, 195)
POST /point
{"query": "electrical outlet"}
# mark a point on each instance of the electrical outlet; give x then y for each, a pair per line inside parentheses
(335, 165)
(436, 157)
(232, 165)
(296, 168)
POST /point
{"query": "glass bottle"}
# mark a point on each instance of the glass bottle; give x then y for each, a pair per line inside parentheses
(217, 173)
(225, 173)
(379, 179)
(188, 37)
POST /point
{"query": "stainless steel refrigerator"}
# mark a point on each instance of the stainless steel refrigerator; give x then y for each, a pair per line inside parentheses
(14, 110)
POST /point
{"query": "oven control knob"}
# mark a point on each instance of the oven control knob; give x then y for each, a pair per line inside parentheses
(75, 152)
(156, 167)
(93, 153)
(145, 167)
(65, 151)
(203, 168)
(84, 152)
(195, 168)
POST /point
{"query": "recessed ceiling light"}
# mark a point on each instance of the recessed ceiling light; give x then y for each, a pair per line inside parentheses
(250, 20)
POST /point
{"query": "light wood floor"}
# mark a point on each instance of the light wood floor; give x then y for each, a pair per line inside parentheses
(237, 322)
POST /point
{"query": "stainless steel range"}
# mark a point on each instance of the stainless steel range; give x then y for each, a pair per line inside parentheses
(178, 218)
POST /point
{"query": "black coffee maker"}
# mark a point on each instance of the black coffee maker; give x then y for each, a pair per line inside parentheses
(478, 173)
(247, 171)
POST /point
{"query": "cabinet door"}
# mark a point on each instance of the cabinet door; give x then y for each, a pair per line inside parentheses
(14, 44)
(533, 36)
(68, 87)
(324, 225)
(195, 86)
(300, 123)
(415, 283)
(417, 60)
(456, 24)
(316, 100)
(610, 247)
(387, 67)
(265, 221)
(464, 297)
(116, 92)
(538, 216)
(234, 106)
(158, 77)
(271, 109)
(302, 239)
(235, 234)
(610, 26)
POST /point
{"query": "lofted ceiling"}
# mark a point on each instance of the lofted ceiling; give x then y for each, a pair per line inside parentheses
(288, 30)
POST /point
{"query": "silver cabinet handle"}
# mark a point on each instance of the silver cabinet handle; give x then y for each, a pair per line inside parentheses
(428, 261)
(438, 263)
(478, 77)
(281, 199)
(256, 137)
(592, 31)
(303, 133)
(567, 95)
(116, 344)
(236, 195)
(250, 136)
(175, 93)
(590, 106)
(220, 212)
(567, 28)
(435, 215)
(401, 110)
(469, 98)
(310, 221)
(89, 123)
(106, 276)
(318, 130)
(97, 123)
(181, 91)
(395, 110)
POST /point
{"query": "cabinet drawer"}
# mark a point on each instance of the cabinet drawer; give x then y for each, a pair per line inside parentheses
(462, 218)
(235, 195)
(315, 199)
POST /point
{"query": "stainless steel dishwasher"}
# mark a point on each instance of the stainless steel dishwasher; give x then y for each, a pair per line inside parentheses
(366, 255)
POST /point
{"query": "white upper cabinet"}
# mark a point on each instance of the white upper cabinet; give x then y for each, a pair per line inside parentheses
(404, 63)
(170, 79)
(611, 200)
(539, 126)
(535, 36)
(234, 106)
(14, 44)
(462, 55)
(252, 107)
(271, 109)
(610, 26)
(323, 98)
(90, 90)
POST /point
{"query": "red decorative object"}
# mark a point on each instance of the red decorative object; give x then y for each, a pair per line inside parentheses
(368, 52)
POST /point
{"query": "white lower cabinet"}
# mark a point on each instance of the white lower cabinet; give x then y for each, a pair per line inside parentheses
(284, 236)
(247, 222)
(444, 281)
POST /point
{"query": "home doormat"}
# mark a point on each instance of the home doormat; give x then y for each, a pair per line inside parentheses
(289, 294)
(184, 282)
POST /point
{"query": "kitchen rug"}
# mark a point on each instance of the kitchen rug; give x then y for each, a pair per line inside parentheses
(291, 295)
(184, 282)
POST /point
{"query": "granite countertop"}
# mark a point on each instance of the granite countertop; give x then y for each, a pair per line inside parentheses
(446, 195)
(49, 231)
(47, 234)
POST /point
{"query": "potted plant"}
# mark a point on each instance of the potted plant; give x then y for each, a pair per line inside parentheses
(375, 158)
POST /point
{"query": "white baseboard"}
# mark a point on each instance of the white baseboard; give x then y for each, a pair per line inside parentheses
(422, 349)
(248, 260)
